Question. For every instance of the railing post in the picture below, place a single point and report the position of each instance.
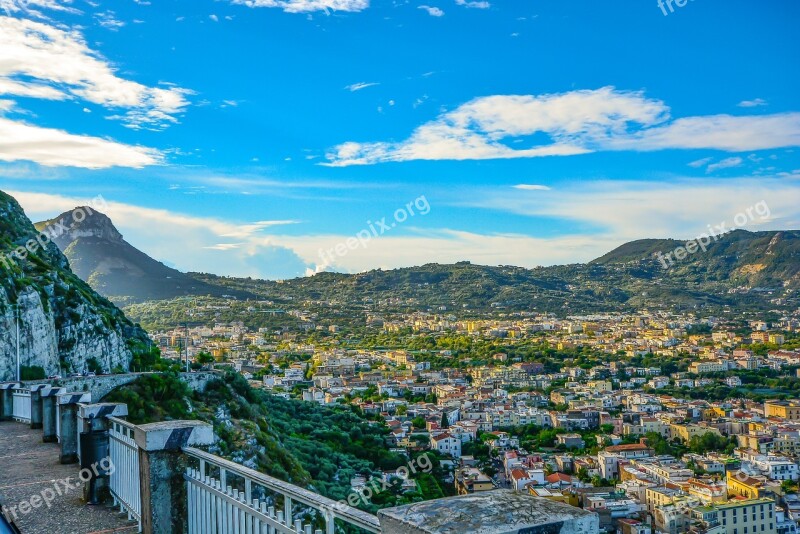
(162, 465)
(68, 405)
(7, 400)
(95, 421)
(49, 411)
(36, 405)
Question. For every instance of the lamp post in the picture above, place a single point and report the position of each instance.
(16, 320)
(186, 325)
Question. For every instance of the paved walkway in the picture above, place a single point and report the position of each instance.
(30, 472)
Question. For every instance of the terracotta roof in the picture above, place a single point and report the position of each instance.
(627, 447)
(518, 474)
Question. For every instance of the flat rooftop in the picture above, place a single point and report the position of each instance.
(490, 512)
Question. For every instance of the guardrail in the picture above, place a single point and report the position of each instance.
(22, 405)
(125, 481)
(226, 497)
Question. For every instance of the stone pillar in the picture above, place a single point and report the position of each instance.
(7, 400)
(68, 404)
(94, 418)
(36, 405)
(49, 413)
(161, 467)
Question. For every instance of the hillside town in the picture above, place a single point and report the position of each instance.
(657, 422)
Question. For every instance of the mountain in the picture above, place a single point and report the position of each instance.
(741, 270)
(64, 325)
(99, 254)
(765, 259)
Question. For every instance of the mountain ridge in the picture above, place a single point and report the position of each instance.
(99, 254)
(739, 269)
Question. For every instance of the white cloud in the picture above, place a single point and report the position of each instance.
(532, 187)
(757, 102)
(475, 129)
(433, 11)
(718, 132)
(727, 163)
(33, 7)
(50, 147)
(474, 4)
(214, 18)
(680, 208)
(30, 90)
(701, 162)
(109, 21)
(224, 246)
(307, 6)
(577, 122)
(361, 85)
(39, 60)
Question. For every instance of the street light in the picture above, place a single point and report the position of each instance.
(16, 319)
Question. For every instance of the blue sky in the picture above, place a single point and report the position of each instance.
(242, 137)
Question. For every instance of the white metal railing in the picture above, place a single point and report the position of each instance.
(217, 507)
(21, 405)
(125, 480)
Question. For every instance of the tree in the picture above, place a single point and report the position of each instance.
(583, 475)
(445, 422)
(204, 358)
(418, 422)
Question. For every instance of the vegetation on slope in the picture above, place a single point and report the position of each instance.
(306, 444)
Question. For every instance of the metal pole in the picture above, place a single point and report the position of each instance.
(187, 346)
(19, 368)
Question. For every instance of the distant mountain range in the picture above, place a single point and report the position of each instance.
(99, 255)
(740, 270)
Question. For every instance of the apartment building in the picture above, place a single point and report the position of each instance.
(739, 516)
(787, 409)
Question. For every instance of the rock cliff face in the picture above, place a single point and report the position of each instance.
(64, 326)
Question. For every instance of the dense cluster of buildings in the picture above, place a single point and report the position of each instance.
(604, 417)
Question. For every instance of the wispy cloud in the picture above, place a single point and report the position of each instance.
(701, 162)
(757, 102)
(727, 163)
(609, 206)
(578, 122)
(474, 4)
(361, 85)
(108, 20)
(33, 7)
(224, 246)
(532, 187)
(308, 6)
(432, 11)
